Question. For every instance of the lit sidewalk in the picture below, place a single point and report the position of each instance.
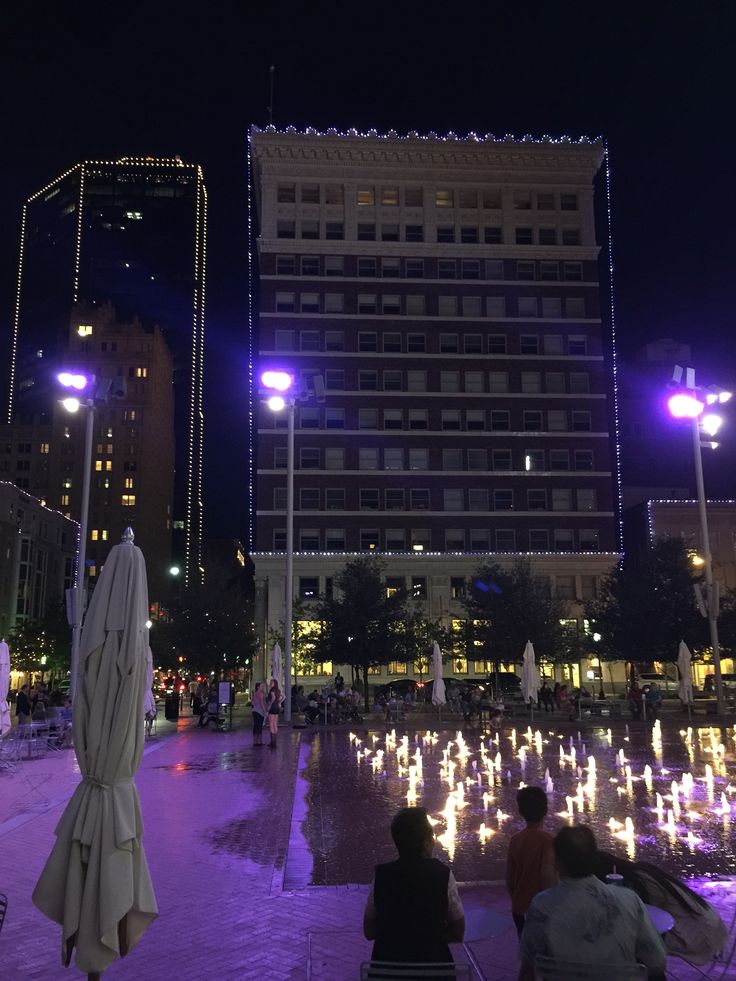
(218, 817)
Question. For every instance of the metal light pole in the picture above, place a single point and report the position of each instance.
(80, 574)
(289, 583)
(711, 603)
(690, 403)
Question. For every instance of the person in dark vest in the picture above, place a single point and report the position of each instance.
(413, 909)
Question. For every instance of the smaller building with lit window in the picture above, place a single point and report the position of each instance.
(37, 545)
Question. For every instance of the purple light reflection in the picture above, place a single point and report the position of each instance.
(280, 381)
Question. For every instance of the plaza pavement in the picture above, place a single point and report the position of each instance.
(218, 819)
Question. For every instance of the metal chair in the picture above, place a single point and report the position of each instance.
(551, 969)
(393, 971)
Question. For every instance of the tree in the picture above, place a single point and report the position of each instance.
(210, 625)
(361, 625)
(507, 608)
(43, 645)
(647, 606)
(420, 634)
(302, 638)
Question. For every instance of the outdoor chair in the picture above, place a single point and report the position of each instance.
(392, 971)
(9, 750)
(3, 908)
(551, 969)
(720, 967)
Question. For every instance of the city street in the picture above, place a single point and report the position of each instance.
(221, 837)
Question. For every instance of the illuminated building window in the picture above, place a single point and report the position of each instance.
(108, 465)
(94, 535)
(98, 465)
(443, 198)
(141, 372)
(128, 500)
(134, 215)
(44, 448)
(65, 500)
(84, 330)
(397, 667)
(366, 197)
(129, 415)
(128, 483)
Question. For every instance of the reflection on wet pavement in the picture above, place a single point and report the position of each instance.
(665, 796)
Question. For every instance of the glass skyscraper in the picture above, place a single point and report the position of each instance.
(131, 232)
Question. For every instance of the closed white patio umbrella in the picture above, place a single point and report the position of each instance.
(684, 668)
(4, 685)
(277, 668)
(529, 677)
(439, 696)
(149, 699)
(96, 882)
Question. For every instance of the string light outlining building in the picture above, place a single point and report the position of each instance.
(131, 232)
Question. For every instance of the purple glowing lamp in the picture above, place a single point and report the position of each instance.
(279, 381)
(685, 406)
(71, 379)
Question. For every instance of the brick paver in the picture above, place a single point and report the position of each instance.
(218, 816)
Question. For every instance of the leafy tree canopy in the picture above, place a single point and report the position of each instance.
(507, 608)
(647, 606)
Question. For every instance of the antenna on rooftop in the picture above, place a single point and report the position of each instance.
(271, 75)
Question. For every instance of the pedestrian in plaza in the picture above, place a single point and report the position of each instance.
(530, 861)
(413, 908)
(275, 698)
(556, 695)
(586, 921)
(653, 699)
(23, 706)
(635, 701)
(259, 713)
(545, 700)
(339, 682)
(192, 692)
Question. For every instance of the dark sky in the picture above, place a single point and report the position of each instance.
(655, 78)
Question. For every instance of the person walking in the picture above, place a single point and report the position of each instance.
(23, 706)
(259, 713)
(275, 699)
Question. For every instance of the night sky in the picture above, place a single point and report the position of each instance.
(655, 78)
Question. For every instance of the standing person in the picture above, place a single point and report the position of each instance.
(192, 692)
(339, 682)
(530, 863)
(23, 706)
(274, 707)
(586, 921)
(413, 908)
(259, 713)
(545, 697)
(635, 701)
(556, 696)
(653, 700)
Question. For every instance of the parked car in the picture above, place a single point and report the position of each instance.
(399, 688)
(668, 686)
(505, 682)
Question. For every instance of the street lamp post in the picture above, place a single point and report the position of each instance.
(79, 382)
(687, 404)
(282, 382)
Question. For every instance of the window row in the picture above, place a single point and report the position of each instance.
(395, 267)
(417, 305)
(371, 231)
(453, 540)
(416, 196)
(418, 459)
(449, 499)
(465, 420)
(448, 342)
(419, 380)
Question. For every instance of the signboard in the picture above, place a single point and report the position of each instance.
(223, 696)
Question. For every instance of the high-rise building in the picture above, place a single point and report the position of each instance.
(445, 293)
(132, 479)
(133, 233)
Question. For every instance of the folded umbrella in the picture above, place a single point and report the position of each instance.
(96, 882)
(4, 685)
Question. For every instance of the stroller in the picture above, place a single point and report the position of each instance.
(210, 715)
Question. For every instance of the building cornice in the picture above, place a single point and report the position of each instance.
(331, 146)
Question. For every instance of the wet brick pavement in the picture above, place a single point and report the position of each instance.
(218, 823)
